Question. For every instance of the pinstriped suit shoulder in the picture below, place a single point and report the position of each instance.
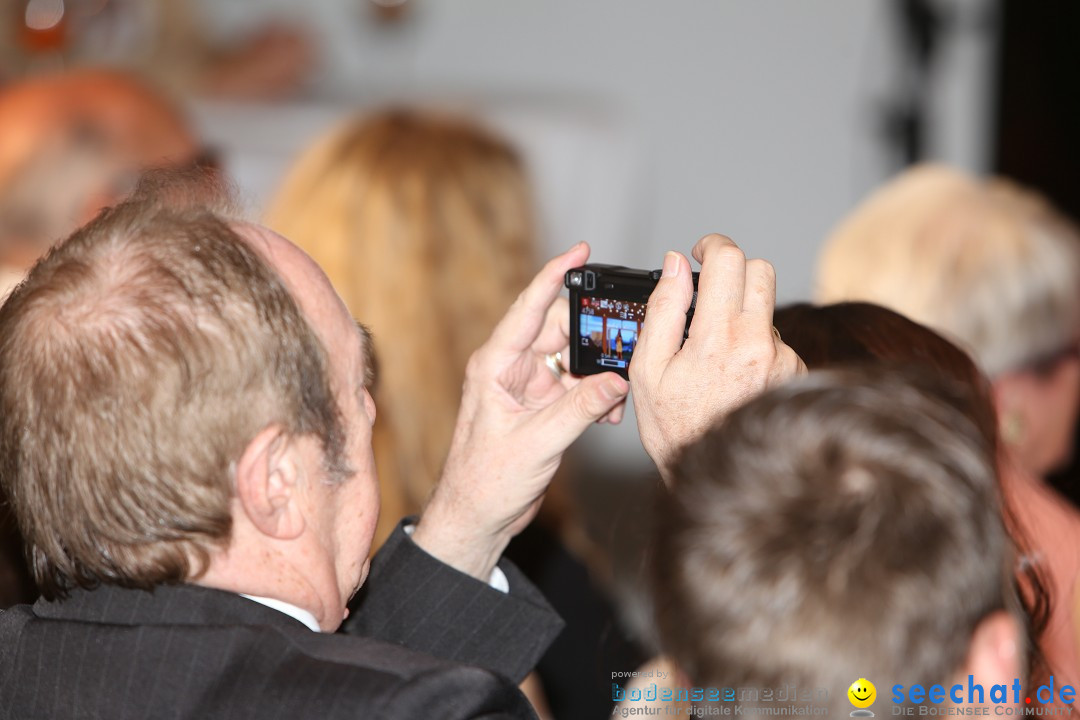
(190, 652)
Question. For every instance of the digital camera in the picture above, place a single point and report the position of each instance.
(607, 307)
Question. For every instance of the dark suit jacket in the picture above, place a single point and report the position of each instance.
(189, 652)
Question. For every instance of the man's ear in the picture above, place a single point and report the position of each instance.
(996, 653)
(266, 484)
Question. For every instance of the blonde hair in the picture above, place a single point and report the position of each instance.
(424, 225)
(989, 264)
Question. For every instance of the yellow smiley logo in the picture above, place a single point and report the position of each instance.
(862, 693)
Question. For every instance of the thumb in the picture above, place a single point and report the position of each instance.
(563, 422)
(662, 330)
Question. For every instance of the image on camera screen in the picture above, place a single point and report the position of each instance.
(609, 331)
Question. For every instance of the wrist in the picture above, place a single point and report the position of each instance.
(457, 539)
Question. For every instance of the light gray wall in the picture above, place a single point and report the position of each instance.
(752, 118)
(757, 118)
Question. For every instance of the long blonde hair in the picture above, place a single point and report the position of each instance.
(425, 227)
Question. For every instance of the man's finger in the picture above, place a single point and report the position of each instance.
(562, 422)
(522, 323)
(759, 300)
(662, 331)
(789, 364)
(721, 286)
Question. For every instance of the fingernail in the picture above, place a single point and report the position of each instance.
(671, 265)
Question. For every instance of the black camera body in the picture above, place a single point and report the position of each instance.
(607, 307)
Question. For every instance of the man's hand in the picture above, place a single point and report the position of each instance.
(732, 352)
(516, 420)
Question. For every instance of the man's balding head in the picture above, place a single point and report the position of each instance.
(137, 360)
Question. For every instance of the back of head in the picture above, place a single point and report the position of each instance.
(990, 265)
(137, 360)
(424, 225)
(855, 334)
(73, 142)
(839, 527)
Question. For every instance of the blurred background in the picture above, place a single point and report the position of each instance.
(642, 125)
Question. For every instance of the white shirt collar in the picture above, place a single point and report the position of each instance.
(289, 609)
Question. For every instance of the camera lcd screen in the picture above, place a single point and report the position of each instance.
(608, 332)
